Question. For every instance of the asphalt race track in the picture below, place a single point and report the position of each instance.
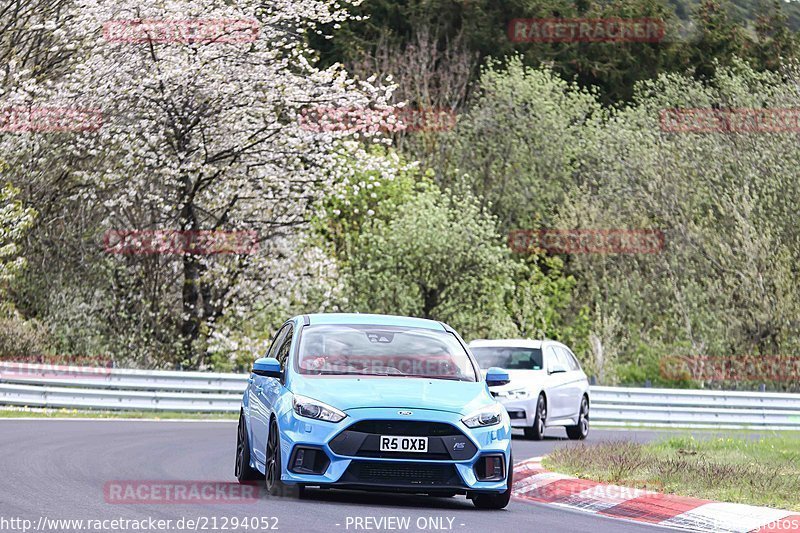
(54, 469)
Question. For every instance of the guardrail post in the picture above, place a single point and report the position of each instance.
(648, 384)
(762, 388)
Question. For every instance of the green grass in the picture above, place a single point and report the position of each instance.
(144, 415)
(761, 470)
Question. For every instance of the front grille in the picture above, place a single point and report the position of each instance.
(362, 439)
(401, 474)
(405, 428)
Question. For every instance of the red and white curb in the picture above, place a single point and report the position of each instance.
(534, 483)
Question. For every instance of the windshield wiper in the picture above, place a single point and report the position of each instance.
(448, 378)
(333, 373)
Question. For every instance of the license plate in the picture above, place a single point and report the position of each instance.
(404, 444)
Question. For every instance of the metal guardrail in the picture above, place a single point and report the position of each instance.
(619, 406)
(75, 398)
(120, 378)
(154, 390)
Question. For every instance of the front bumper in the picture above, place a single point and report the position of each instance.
(521, 412)
(352, 459)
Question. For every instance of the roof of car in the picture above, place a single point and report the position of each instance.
(507, 343)
(375, 320)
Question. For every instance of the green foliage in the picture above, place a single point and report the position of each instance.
(439, 257)
(15, 220)
(364, 196)
(776, 41)
(698, 35)
(419, 228)
(748, 470)
(408, 247)
(718, 40)
(542, 305)
(518, 145)
(20, 338)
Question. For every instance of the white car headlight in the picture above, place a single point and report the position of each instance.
(516, 394)
(310, 408)
(487, 416)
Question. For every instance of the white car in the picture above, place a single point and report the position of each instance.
(547, 386)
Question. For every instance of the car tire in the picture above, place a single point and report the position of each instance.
(581, 430)
(536, 431)
(243, 471)
(497, 501)
(275, 487)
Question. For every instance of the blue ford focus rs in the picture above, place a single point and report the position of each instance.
(373, 402)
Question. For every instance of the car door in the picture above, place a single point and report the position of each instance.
(574, 382)
(272, 388)
(556, 384)
(259, 409)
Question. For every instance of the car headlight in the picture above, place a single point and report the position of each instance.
(310, 408)
(487, 416)
(516, 394)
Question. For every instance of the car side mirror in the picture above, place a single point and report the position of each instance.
(557, 370)
(269, 367)
(496, 377)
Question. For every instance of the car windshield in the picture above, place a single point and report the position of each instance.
(394, 351)
(508, 357)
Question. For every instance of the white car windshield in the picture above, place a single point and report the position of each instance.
(508, 357)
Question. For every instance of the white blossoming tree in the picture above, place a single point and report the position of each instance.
(198, 134)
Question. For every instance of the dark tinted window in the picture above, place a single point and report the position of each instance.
(286, 345)
(277, 341)
(509, 358)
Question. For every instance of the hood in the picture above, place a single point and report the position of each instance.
(344, 393)
(521, 379)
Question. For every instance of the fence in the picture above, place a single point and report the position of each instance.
(150, 390)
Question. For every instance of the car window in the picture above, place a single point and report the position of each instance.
(572, 360)
(551, 361)
(286, 345)
(276, 343)
(564, 358)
